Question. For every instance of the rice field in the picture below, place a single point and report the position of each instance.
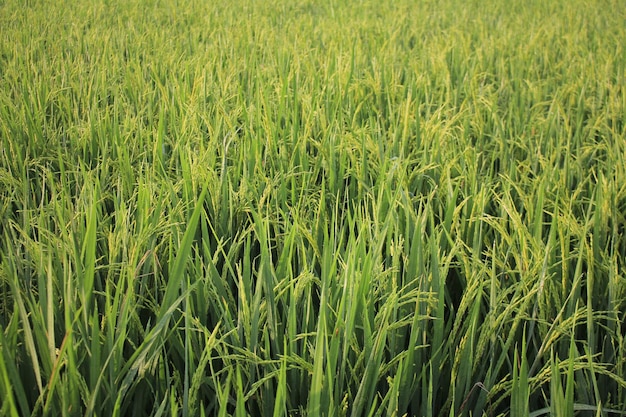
(312, 208)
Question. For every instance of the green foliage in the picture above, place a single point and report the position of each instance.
(325, 208)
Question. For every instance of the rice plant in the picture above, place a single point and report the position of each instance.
(301, 208)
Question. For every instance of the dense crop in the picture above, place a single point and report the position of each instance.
(312, 208)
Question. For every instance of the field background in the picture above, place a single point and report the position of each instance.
(312, 208)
